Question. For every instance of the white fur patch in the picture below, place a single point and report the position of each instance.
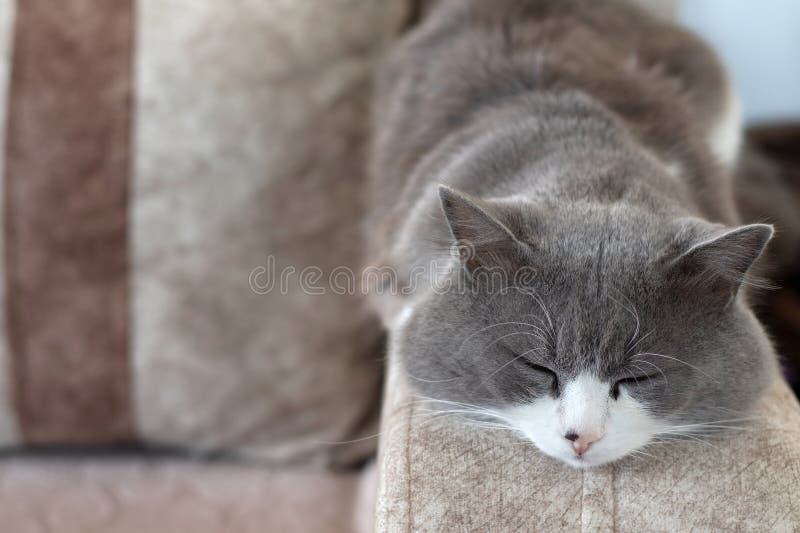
(586, 406)
(726, 136)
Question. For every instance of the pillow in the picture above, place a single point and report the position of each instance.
(158, 162)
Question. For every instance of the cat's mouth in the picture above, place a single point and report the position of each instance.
(578, 461)
(585, 460)
(592, 458)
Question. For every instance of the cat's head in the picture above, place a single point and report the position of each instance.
(592, 330)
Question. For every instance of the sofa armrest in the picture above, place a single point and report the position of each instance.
(438, 474)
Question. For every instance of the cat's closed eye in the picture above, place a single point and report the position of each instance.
(544, 371)
(633, 381)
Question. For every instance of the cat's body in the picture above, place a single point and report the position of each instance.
(588, 145)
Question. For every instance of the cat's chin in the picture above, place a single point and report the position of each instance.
(581, 463)
(588, 461)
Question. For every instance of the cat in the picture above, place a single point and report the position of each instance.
(589, 147)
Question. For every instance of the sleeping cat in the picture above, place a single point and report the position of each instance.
(578, 156)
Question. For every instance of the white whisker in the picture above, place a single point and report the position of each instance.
(672, 358)
(520, 356)
(423, 380)
(641, 339)
(658, 368)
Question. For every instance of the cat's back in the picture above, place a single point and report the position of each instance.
(469, 54)
(470, 58)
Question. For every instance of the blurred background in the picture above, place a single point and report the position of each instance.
(760, 44)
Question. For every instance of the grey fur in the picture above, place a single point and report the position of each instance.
(558, 126)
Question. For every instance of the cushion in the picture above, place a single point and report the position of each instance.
(162, 165)
(135, 495)
(438, 474)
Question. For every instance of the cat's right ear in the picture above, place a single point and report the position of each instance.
(718, 259)
(483, 241)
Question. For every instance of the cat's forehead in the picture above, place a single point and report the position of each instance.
(591, 332)
(584, 229)
(593, 263)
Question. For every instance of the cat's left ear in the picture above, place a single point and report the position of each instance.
(719, 260)
(484, 241)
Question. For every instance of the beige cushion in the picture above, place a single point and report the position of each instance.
(127, 495)
(251, 126)
(438, 475)
(157, 154)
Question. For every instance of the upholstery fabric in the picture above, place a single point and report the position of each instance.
(129, 495)
(437, 474)
(65, 227)
(251, 121)
(157, 156)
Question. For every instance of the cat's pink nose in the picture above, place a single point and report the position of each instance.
(582, 443)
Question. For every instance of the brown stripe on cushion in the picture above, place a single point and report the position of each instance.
(66, 222)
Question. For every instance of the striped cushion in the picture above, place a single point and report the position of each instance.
(157, 153)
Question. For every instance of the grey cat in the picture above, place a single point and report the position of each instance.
(579, 154)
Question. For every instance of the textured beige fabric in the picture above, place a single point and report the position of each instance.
(250, 126)
(249, 122)
(9, 433)
(147, 496)
(438, 475)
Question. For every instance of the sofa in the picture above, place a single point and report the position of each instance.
(163, 165)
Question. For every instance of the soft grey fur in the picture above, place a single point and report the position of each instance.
(572, 136)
